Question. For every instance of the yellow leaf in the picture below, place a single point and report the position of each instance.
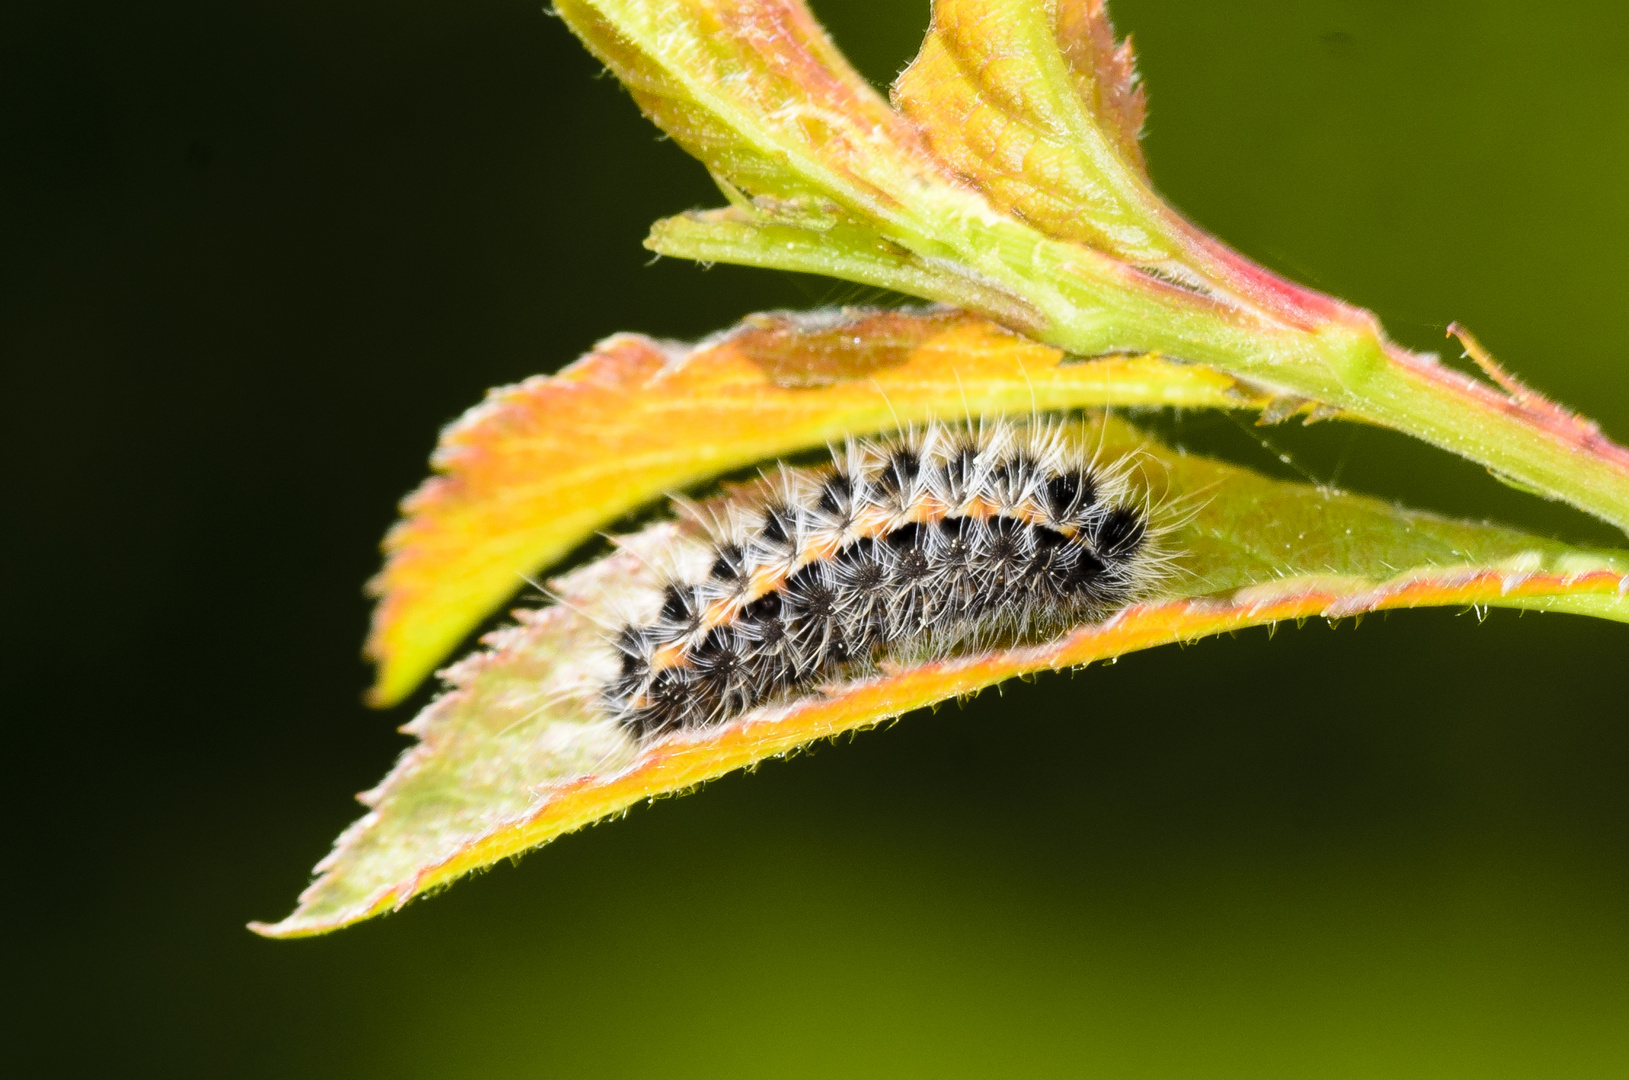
(534, 470)
(1038, 108)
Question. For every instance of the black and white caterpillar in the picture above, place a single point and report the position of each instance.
(942, 539)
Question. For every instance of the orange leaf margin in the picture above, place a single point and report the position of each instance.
(680, 764)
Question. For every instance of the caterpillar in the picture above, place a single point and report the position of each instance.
(943, 538)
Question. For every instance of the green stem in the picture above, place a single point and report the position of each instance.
(1347, 363)
(1094, 306)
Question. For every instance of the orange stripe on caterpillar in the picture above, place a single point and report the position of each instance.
(767, 580)
(940, 538)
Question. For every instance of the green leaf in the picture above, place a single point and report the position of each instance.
(758, 93)
(515, 754)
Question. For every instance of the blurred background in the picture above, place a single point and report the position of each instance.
(254, 254)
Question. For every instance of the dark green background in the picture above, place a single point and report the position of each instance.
(253, 254)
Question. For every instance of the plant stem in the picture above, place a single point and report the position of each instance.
(1345, 361)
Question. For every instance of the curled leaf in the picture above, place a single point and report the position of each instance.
(530, 473)
(514, 755)
(799, 142)
(1038, 107)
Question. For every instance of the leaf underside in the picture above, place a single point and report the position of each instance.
(502, 766)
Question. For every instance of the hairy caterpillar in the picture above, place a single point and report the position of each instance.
(941, 539)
